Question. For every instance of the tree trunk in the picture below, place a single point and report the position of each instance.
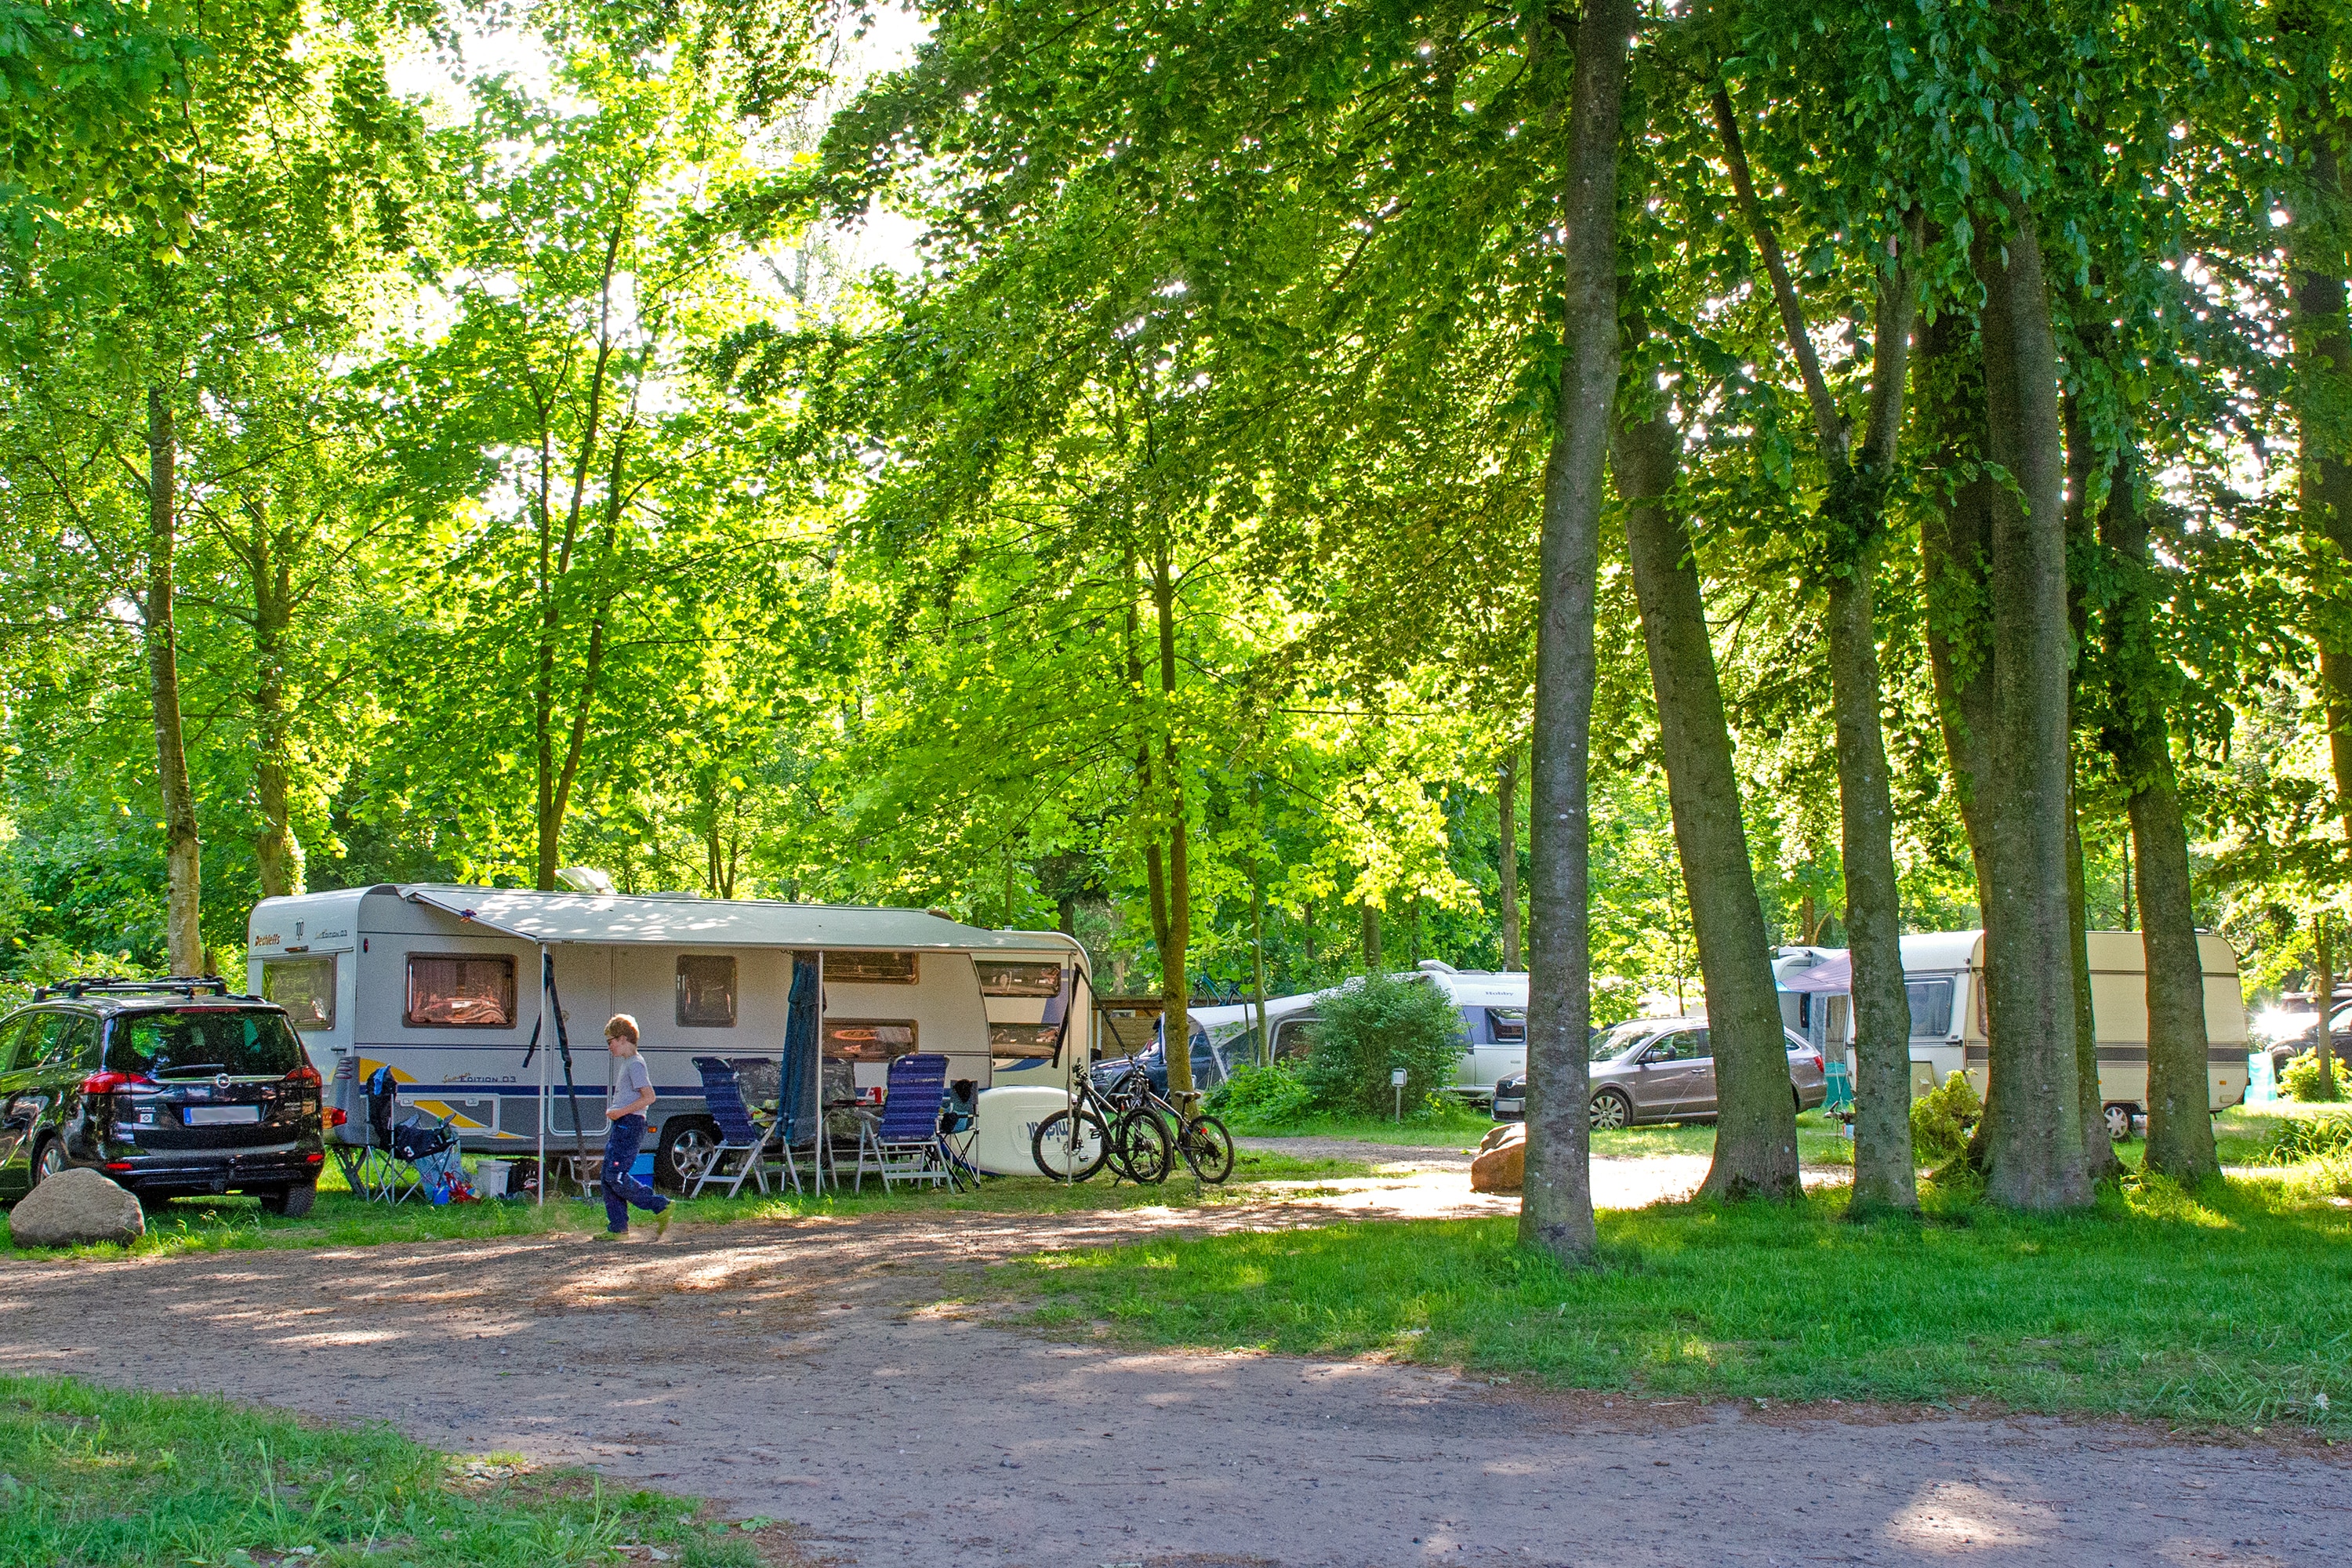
(2033, 1130)
(1555, 1208)
(1263, 1047)
(2137, 736)
(183, 855)
(1170, 879)
(1371, 936)
(1853, 514)
(2322, 1037)
(1755, 1128)
(276, 851)
(2323, 342)
(2099, 1157)
(1507, 859)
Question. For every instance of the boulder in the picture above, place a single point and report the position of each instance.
(1501, 1163)
(73, 1207)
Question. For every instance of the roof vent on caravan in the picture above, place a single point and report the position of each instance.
(587, 880)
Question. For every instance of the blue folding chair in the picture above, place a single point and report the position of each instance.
(902, 1145)
(742, 1137)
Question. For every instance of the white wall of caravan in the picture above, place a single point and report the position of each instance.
(944, 1004)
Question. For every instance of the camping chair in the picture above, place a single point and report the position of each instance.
(959, 1133)
(394, 1163)
(902, 1145)
(741, 1136)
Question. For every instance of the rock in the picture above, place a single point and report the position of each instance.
(1503, 1133)
(1501, 1164)
(76, 1206)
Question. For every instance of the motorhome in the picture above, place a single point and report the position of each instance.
(1943, 976)
(457, 990)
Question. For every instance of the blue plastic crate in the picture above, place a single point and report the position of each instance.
(644, 1169)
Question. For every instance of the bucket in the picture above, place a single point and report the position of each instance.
(490, 1179)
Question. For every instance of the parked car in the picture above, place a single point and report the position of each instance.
(172, 1088)
(1662, 1069)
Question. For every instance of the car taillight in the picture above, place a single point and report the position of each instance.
(110, 1081)
(117, 1165)
(306, 1075)
(1818, 1066)
(335, 1117)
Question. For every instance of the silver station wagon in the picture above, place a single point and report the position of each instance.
(1663, 1069)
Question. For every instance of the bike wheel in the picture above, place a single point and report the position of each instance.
(1207, 1148)
(1141, 1148)
(1070, 1146)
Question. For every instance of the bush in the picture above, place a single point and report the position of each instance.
(1255, 1094)
(1368, 1031)
(1941, 1119)
(2311, 1138)
(2304, 1080)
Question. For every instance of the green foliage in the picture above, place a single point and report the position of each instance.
(1760, 1300)
(1263, 1096)
(2310, 1137)
(1942, 1118)
(2309, 1079)
(1369, 1029)
(105, 1478)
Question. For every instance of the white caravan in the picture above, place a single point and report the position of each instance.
(1494, 1009)
(1942, 973)
(443, 986)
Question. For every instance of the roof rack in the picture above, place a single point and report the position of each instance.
(122, 985)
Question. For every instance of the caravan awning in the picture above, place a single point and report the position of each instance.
(1831, 976)
(540, 917)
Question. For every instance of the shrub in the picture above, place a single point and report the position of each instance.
(2311, 1138)
(1941, 1119)
(1367, 1031)
(1262, 1095)
(2304, 1080)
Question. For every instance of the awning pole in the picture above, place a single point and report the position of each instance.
(543, 1078)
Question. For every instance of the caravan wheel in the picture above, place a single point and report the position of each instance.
(2119, 1120)
(688, 1144)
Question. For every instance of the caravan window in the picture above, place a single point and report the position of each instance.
(705, 991)
(1010, 1043)
(1931, 1007)
(460, 991)
(869, 968)
(868, 1039)
(999, 977)
(1509, 1025)
(305, 987)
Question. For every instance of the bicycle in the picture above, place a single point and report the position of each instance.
(1073, 1144)
(1202, 1140)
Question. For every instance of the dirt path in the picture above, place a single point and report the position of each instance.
(818, 1371)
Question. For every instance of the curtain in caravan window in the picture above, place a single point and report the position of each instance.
(1931, 1007)
(705, 991)
(455, 991)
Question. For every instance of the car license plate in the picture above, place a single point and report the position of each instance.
(213, 1115)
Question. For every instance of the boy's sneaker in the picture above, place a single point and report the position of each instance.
(661, 1224)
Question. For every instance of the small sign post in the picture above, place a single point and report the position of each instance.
(1396, 1081)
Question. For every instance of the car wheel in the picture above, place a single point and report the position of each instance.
(688, 1145)
(2119, 1121)
(292, 1202)
(1611, 1111)
(47, 1161)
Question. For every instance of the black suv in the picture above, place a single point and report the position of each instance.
(173, 1087)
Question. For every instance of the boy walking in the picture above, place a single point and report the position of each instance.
(632, 1092)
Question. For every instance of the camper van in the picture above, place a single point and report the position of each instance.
(457, 990)
(1494, 1009)
(1942, 973)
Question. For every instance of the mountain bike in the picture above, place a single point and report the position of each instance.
(1072, 1145)
(1202, 1140)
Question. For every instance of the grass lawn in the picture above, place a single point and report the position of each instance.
(2231, 1308)
(1454, 1126)
(339, 1219)
(89, 1476)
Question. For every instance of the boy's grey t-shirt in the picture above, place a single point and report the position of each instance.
(630, 1079)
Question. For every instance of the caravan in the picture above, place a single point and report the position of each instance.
(449, 988)
(1942, 974)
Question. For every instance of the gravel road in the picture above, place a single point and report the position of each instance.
(825, 1373)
